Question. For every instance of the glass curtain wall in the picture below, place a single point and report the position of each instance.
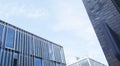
(21, 48)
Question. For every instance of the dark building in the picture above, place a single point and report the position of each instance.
(21, 48)
(105, 18)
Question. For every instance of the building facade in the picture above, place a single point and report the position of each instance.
(87, 62)
(21, 48)
(105, 18)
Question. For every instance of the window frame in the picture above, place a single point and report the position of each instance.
(51, 51)
(31, 51)
(13, 38)
(3, 34)
(39, 60)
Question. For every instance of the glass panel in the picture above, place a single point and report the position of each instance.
(10, 38)
(51, 55)
(94, 63)
(57, 53)
(10, 62)
(31, 45)
(3, 58)
(20, 42)
(1, 31)
(84, 63)
(15, 60)
(26, 43)
(16, 55)
(0, 55)
(23, 42)
(16, 44)
(62, 55)
(57, 64)
(37, 62)
(6, 58)
(25, 47)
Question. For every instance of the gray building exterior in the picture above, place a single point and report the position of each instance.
(105, 18)
(87, 62)
(21, 48)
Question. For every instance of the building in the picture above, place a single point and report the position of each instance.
(21, 48)
(87, 62)
(105, 18)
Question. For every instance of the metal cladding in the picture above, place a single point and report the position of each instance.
(21, 48)
(105, 18)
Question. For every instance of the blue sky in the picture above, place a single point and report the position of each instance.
(64, 22)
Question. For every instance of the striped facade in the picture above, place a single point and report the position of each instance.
(21, 48)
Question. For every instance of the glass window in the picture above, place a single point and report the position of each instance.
(15, 60)
(17, 41)
(51, 56)
(7, 58)
(1, 32)
(20, 42)
(62, 55)
(16, 55)
(3, 58)
(10, 58)
(10, 38)
(37, 62)
(31, 45)
(57, 64)
(84, 63)
(0, 56)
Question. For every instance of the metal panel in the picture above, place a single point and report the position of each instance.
(22, 48)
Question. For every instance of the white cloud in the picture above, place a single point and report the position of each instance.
(13, 9)
(72, 18)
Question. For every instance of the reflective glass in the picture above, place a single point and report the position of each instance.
(51, 56)
(15, 60)
(0, 55)
(16, 55)
(37, 62)
(62, 56)
(1, 31)
(17, 41)
(10, 62)
(6, 58)
(3, 58)
(84, 63)
(31, 44)
(10, 38)
(57, 64)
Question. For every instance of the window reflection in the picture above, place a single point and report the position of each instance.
(15, 59)
(31, 44)
(1, 32)
(62, 55)
(57, 64)
(51, 56)
(0, 56)
(37, 62)
(84, 63)
(10, 38)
